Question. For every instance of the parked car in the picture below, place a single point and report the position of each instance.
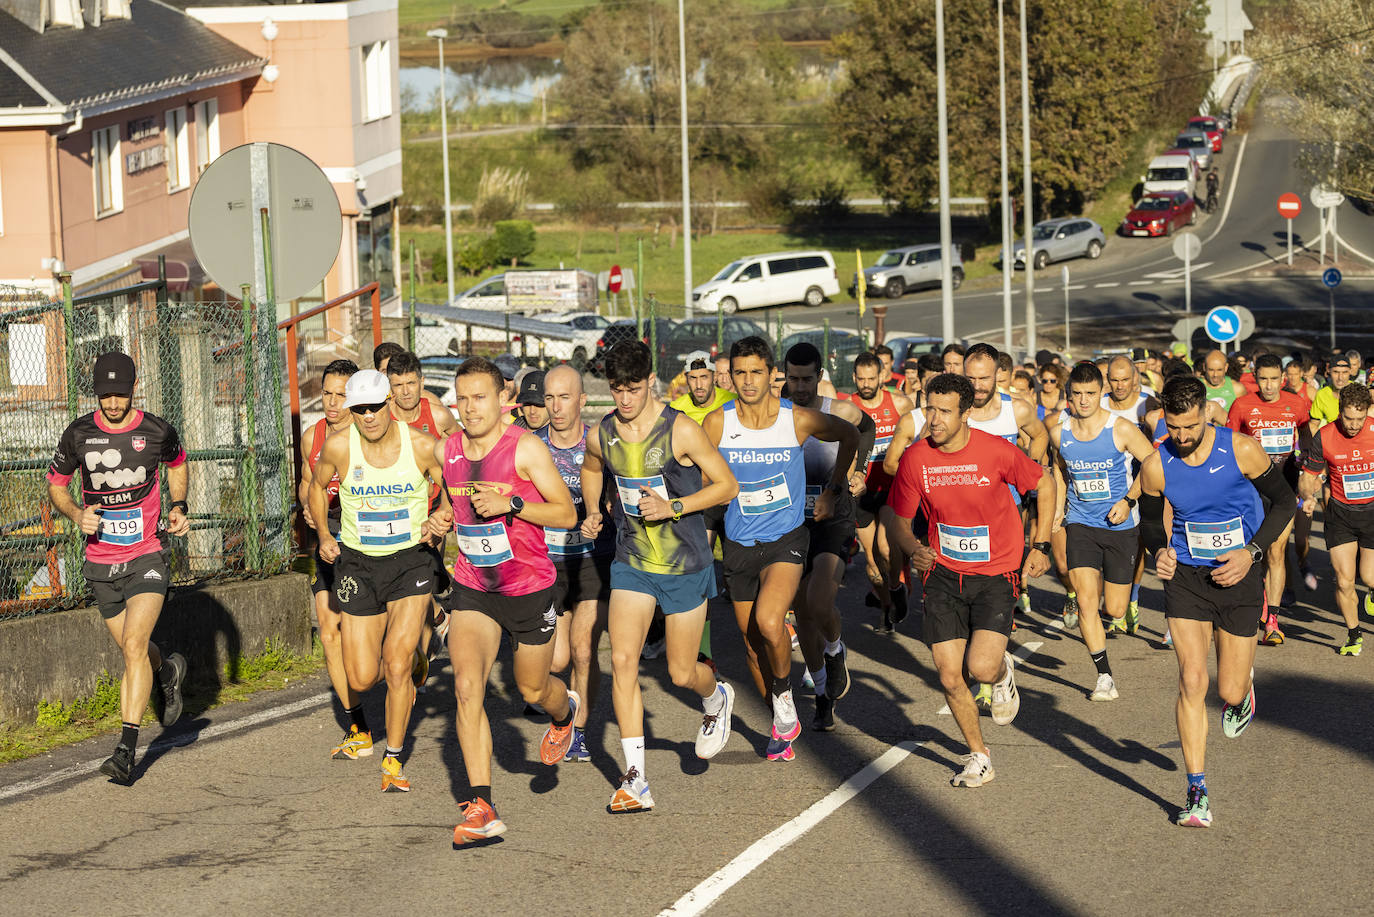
(775, 279)
(624, 330)
(910, 268)
(489, 294)
(1210, 126)
(1198, 143)
(910, 346)
(700, 334)
(1171, 172)
(1160, 214)
(1061, 239)
(587, 330)
(844, 347)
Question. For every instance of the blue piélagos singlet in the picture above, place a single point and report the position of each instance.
(771, 471)
(1099, 476)
(1216, 508)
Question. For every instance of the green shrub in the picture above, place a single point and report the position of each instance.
(512, 240)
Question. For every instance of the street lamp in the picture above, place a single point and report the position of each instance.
(942, 129)
(1026, 187)
(687, 307)
(1006, 194)
(440, 35)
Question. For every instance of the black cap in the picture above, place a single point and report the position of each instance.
(1043, 357)
(1140, 354)
(114, 374)
(532, 389)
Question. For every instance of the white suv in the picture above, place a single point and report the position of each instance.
(776, 279)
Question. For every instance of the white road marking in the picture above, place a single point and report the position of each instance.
(1231, 191)
(1352, 249)
(714, 886)
(1021, 653)
(210, 732)
(1103, 286)
(1141, 283)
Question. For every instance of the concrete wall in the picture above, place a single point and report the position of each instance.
(59, 656)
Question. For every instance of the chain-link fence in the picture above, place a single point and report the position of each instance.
(204, 367)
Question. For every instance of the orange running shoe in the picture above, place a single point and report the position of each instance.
(554, 746)
(479, 823)
(393, 781)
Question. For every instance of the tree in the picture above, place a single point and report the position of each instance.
(1319, 54)
(513, 240)
(620, 89)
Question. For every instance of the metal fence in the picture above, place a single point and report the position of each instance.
(208, 368)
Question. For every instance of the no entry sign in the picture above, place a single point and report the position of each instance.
(1290, 205)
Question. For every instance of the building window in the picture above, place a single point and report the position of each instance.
(207, 133)
(375, 261)
(376, 88)
(178, 151)
(106, 167)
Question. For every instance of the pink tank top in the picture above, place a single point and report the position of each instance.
(504, 555)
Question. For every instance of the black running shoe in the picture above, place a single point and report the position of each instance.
(837, 674)
(825, 714)
(119, 766)
(173, 673)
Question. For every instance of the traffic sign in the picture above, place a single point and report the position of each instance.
(1187, 246)
(1322, 197)
(1331, 277)
(1290, 205)
(614, 281)
(1223, 324)
(1183, 328)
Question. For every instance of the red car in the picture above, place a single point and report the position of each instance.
(1160, 214)
(1211, 127)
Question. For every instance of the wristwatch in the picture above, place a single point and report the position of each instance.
(676, 507)
(516, 505)
(1256, 552)
(1043, 547)
(1129, 502)
(182, 505)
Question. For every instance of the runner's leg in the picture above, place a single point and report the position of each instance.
(1191, 642)
(949, 663)
(402, 621)
(1343, 560)
(131, 629)
(628, 626)
(584, 637)
(473, 642)
(683, 634)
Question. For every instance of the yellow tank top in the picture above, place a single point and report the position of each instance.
(382, 508)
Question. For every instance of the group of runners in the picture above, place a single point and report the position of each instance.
(959, 478)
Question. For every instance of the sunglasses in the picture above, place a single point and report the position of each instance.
(361, 409)
(1049, 380)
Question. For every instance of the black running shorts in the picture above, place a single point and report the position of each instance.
(1346, 523)
(959, 603)
(867, 506)
(364, 584)
(112, 585)
(744, 565)
(529, 619)
(1111, 552)
(579, 579)
(1193, 596)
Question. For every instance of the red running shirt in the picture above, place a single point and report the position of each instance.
(885, 419)
(975, 526)
(1347, 460)
(1273, 424)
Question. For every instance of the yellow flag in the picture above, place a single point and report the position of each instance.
(860, 285)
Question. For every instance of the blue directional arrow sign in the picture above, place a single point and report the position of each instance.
(1223, 324)
(1331, 277)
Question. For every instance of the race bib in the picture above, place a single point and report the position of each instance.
(880, 449)
(1210, 540)
(484, 545)
(812, 492)
(383, 527)
(567, 542)
(122, 527)
(1359, 486)
(971, 544)
(766, 496)
(1277, 440)
(1092, 486)
(629, 491)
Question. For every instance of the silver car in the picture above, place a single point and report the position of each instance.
(1198, 144)
(1061, 239)
(911, 268)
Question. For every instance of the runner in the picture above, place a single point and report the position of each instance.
(118, 449)
(1342, 451)
(830, 540)
(383, 577)
(582, 586)
(912, 425)
(381, 361)
(973, 568)
(1127, 399)
(655, 458)
(530, 401)
(766, 540)
(886, 411)
(1213, 586)
(704, 394)
(505, 489)
(1326, 407)
(723, 380)
(1278, 421)
(892, 380)
(1094, 449)
(1049, 401)
(1221, 388)
(357, 740)
(953, 358)
(911, 380)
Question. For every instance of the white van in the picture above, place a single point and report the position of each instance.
(769, 280)
(1171, 172)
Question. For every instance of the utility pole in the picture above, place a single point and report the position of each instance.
(946, 261)
(1027, 205)
(1007, 264)
(687, 307)
(441, 34)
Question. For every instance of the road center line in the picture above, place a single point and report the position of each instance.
(1020, 654)
(714, 886)
(1103, 286)
(209, 732)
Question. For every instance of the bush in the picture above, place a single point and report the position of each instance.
(474, 256)
(512, 240)
(501, 195)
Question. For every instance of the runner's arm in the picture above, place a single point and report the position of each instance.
(333, 455)
(429, 458)
(696, 444)
(534, 463)
(592, 476)
(1033, 429)
(903, 436)
(845, 410)
(1313, 467)
(829, 428)
(1151, 478)
(1256, 465)
(443, 417)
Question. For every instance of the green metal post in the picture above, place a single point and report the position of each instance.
(69, 322)
(412, 294)
(653, 333)
(639, 286)
(248, 464)
(825, 349)
(74, 549)
(507, 332)
(777, 341)
(276, 443)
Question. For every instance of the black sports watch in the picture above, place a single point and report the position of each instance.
(182, 505)
(1129, 502)
(676, 507)
(516, 505)
(1043, 547)
(1256, 552)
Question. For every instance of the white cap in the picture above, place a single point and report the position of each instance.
(695, 355)
(366, 386)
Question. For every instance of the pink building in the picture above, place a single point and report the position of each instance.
(111, 109)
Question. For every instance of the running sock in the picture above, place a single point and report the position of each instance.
(129, 736)
(634, 754)
(1352, 634)
(833, 647)
(713, 703)
(780, 686)
(483, 793)
(358, 717)
(1135, 592)
(393, 752)
(567, 719)
(1197, 780)
(1100, 660)
(819, 680)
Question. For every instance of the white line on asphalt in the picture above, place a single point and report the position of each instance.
(1141, 283)
(1231, 191)
(710, 890)
(210, 732)
(1103, 286)
(1021, 653)
(1352, 249)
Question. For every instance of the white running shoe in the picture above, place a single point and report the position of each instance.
(976, 772)
(786, 723)
(715, 728)
(1006, 701)
(1105, 689)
